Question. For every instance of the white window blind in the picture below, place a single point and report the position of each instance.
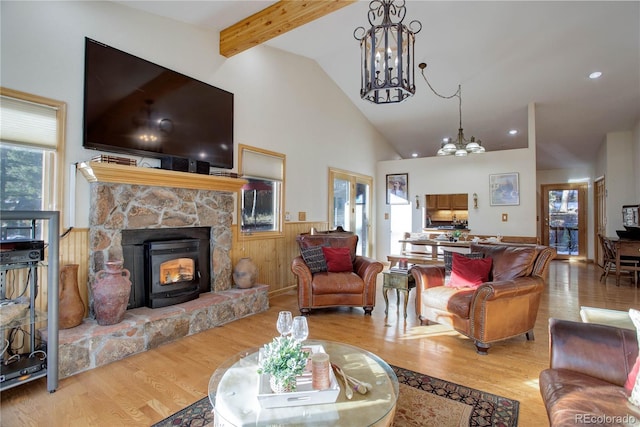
(262, 165)
(25, 122)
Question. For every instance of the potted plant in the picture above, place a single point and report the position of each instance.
(283, 359)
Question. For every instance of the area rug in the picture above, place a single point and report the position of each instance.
(423, 401)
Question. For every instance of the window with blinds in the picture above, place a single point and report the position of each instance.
(31, 148)
(261, 198)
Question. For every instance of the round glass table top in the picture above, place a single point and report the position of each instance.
(233, 392)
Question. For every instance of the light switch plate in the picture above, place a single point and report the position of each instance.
(505, 217)
(302, 216)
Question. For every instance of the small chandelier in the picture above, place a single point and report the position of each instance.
(462, 146)
(387, 58)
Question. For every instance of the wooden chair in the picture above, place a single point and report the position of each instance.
(609, 260)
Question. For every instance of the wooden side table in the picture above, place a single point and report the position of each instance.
(401, 281)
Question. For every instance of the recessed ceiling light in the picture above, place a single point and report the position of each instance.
(513, 132)
(595, 75)
(414, 155)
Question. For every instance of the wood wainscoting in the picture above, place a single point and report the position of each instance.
(272, 255)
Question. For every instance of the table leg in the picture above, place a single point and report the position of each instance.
(397, 297)
(386, 300)
(406, 302)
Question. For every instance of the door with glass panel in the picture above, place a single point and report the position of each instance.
(565, 225)
(350, 206)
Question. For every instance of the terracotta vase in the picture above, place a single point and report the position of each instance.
(245, 273)
(70, 306)
(111, 291)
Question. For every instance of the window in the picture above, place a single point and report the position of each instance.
(31, 155)
(261, 198)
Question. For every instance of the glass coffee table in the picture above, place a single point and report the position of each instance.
(233, 390)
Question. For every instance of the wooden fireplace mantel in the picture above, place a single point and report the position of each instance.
(121, 174)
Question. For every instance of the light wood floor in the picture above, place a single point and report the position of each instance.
(145, 388)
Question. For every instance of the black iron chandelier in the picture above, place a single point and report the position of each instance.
(387, 57)
(461, 146)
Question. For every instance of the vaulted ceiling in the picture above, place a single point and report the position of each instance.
(505, 55)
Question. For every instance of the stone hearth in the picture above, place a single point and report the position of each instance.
(90, 345)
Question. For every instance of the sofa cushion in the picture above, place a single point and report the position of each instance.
(452, 300)
(631, 380)
(469, 273)
(509, 262)
(338, 259)
(337, 283)
(314, 258)
(572, 398)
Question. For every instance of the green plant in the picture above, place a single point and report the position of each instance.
(456, 233)
(283, 359)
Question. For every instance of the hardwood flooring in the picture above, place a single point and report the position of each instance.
(145, 388)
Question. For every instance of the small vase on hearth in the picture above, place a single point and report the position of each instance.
(245, 273)
(111, 290)
(70, 305)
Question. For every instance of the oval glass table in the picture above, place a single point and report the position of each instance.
(233, 391)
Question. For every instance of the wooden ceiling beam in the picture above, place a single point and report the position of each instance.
(274, 20)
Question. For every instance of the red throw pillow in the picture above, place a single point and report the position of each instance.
(338, 259)
(468, 272)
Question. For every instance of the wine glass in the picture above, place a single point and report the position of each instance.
(284, 323)
(465, 235)
(300, 328)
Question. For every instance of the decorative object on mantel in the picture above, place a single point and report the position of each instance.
(387, 55)
(283, 359)
(70, 306)
(111, 291)
(245, 273)
(461, 147)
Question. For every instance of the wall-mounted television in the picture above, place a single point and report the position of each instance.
(133, 106)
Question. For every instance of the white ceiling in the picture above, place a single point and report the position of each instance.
(504, 54)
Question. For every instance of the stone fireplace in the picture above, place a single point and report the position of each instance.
(131, 198)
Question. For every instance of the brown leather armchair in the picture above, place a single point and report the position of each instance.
(334, 289)
(504, 307)
(589, 365)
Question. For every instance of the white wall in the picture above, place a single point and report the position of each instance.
(620, 187)
(441, 175)
(283, 102)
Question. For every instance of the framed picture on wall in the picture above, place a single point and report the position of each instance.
(398, 189)
(504, 189)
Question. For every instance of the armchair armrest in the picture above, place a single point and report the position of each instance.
(367, 268)
(427, 276)
(600, 351)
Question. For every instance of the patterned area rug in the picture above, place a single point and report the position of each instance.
(423, 401)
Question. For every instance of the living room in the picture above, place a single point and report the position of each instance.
(276, 109)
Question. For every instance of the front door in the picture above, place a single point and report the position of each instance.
(565, 225)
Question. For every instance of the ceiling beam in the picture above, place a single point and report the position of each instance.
(276, 19)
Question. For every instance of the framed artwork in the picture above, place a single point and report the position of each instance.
(504, 189)
(398, 189)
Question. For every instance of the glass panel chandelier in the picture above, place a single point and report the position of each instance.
(462, 146)
(387, 70)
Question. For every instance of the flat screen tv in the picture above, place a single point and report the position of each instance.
(136, 107)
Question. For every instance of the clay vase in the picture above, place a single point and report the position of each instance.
(70, 306)
(111, 291)
(245, 273)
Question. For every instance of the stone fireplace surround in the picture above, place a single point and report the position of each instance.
(117, 203)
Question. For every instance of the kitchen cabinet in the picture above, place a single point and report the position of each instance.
(443, 202)
(459, 202)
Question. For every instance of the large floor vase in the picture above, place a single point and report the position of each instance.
(111, 291)
(71, 307)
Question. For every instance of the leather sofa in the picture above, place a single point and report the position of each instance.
(356, 288)
(504, 307)
(588, 367)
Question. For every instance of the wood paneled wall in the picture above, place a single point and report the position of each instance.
(272, 256)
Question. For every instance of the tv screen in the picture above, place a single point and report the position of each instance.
(136, 107)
